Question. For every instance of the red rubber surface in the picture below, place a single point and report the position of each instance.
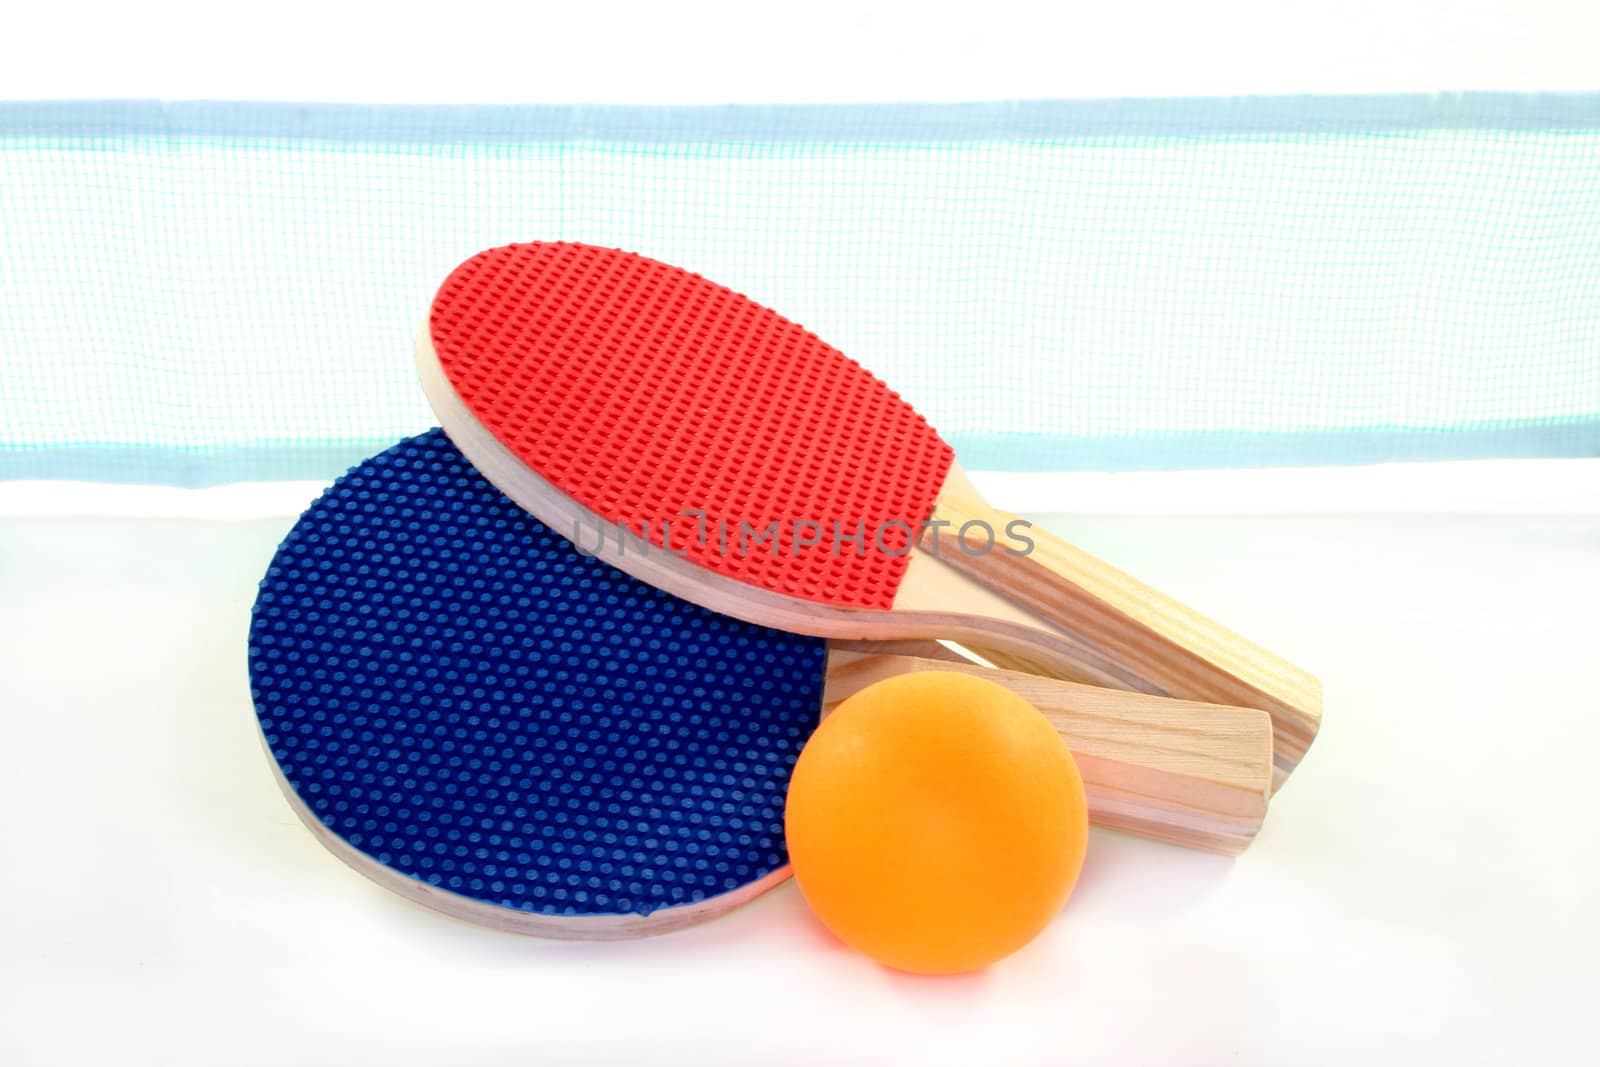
(642, 390)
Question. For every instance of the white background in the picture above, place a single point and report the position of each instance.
(1422, 892)
(726, 51)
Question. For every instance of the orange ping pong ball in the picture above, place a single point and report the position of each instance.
(936, 822)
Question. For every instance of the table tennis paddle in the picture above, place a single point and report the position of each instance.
(780, 482)
(475, 715)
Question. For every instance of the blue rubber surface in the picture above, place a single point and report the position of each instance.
(455, 691)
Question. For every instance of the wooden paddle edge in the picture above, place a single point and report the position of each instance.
(721, 593)
(618, 927)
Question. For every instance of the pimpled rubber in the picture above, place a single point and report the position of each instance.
(643, 391)
(459, 694)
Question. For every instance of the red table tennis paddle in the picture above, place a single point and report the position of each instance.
(766, 475)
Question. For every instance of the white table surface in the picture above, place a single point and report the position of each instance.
(1423, 890)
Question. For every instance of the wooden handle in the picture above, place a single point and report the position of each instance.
(1178, 771)
(1116, 630)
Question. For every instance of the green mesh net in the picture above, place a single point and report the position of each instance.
(198, 293)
